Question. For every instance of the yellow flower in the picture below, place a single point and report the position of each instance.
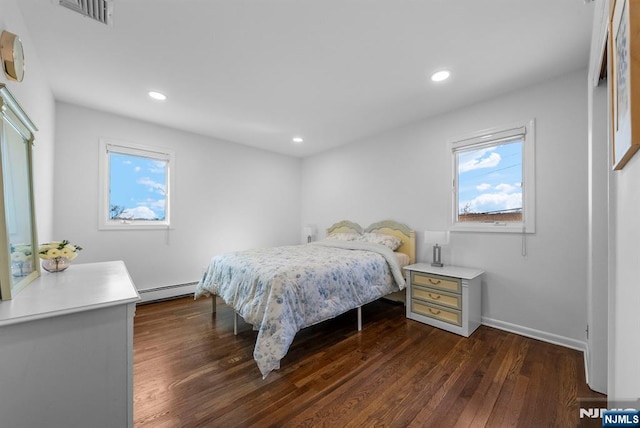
(53, 253)
(23, 248)
(17, 256)
(44, 247)
(68, 252)
(52, 250)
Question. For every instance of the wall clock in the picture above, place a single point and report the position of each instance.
(12, 56)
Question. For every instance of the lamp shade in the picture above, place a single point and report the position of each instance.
(440, 237)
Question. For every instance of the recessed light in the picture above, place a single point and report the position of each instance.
(439, 76)
(297, 140)
(157, 95)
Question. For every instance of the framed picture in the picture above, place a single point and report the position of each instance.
(19, 260)
(624, 41)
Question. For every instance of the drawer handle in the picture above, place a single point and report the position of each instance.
(434, 312)
(435, 296)
(431, 281)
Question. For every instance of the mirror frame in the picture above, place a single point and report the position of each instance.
(11, 110)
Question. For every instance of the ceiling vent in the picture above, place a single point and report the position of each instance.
(98, 10)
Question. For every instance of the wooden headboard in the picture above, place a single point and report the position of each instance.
(402, 231)
(345, 226)
(386, 227)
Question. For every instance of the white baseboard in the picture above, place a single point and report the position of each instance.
(586, 365)
(545, 337)
(536, 334)
(167, 292)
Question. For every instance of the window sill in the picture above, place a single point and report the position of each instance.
(497, 227)
(135, 226)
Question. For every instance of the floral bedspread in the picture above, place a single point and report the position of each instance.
(284, 289)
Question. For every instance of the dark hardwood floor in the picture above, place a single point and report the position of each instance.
(191, 371)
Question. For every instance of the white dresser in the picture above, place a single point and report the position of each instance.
(66, 349)
(446, 297)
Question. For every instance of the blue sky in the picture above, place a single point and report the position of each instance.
(138, 184)
(490, 179)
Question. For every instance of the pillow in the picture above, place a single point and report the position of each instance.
(389, 241)
(344, 236)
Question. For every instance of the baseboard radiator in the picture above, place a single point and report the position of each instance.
(167, 292)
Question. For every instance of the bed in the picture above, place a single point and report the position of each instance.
(282, 290)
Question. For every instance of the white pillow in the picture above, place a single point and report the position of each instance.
(344, 236)
(389, 241)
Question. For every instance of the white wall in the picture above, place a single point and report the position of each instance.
(35, 97)
(227, 197)
(405, 175)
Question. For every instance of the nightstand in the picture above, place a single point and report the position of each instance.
(446, 297)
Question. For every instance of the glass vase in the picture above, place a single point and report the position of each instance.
(21, 268)
(56, 264)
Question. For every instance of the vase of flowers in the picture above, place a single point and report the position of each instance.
(57, 256)
(21, 260)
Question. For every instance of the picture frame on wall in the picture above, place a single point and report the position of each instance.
(623, 41)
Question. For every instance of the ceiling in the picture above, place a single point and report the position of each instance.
(259, 72)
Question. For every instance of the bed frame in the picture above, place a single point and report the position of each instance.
(386, 227)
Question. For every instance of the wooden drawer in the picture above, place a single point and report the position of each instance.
(438, 297)
(441, 313)
(445, 283)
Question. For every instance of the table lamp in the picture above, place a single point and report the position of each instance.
(437, 238)
(309, 231)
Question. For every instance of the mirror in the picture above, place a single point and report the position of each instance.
(19, 256)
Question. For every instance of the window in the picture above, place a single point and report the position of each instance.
(494, 180)
(135, 190)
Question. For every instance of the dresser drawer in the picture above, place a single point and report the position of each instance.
(438, 297)
(450, 316)
(436, 281)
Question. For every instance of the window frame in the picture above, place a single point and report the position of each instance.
(479, 139)
(118, 146)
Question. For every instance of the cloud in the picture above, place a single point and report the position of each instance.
(137, 169)
(158, 167)
(495, 202)
(504, 197)
(505, 188)
(144, 213)
(477, 160)
(482, 187)
(158, 204)
(154, 186)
